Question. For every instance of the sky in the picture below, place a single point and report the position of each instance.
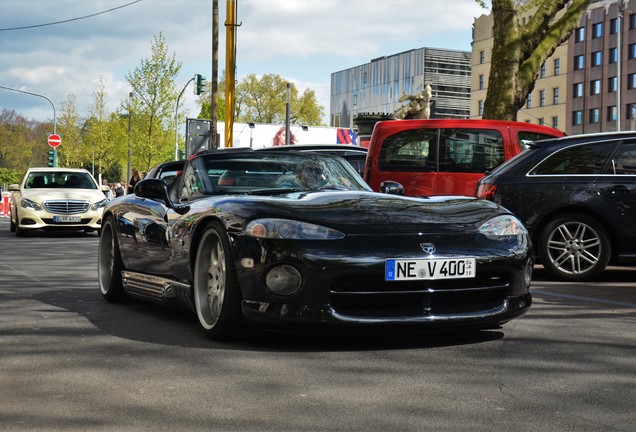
(303, 41)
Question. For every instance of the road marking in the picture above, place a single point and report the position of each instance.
(582, 298)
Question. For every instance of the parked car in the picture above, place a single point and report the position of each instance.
(356, 156)
(444, 156)
(56, 199)
(244, 241)
(577, 197)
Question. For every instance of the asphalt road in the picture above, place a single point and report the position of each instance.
(69, 361)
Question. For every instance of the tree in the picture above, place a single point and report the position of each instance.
(70, 152)
(103, 150)
(520, 50)
(152, 107)
(264, 99)
(206, 104)
(22, 142)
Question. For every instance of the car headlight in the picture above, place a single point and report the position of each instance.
(506, 225)
(99, 204)
(290, 229)
(30, 205)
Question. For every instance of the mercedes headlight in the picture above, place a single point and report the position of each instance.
(30, 205)
(100, 204)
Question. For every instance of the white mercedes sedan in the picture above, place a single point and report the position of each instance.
(56, 199)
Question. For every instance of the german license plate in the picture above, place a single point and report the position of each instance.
(429, 269)
(75, 219)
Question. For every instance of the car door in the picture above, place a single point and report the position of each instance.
(146, 240)
(617, 188)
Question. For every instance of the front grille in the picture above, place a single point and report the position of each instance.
(356, 296)
(66, 207)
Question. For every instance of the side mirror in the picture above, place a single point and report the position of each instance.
(14, 187)
(156, 189)
(391, 188)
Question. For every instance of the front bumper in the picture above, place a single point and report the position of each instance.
(324, 316)
(40, 219)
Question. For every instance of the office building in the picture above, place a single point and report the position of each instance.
(377, 86)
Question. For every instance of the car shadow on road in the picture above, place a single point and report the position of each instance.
(611, 274)
(153, 323)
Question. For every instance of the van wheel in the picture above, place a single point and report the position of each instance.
(574, 247)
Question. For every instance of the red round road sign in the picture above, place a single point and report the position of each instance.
(54, 140)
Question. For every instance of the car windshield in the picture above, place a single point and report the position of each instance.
(269, 172)
(59, 179)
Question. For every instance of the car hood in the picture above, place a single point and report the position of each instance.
(41, 195)
(360, 212)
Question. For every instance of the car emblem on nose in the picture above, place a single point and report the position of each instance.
(429, 248)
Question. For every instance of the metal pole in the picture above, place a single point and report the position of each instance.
(287, 115)
(176, 122)
(230, 70)
(129, 139)
(214, 94)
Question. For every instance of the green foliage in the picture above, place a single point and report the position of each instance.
(264, 99)
(152, 106)
(23, 142)
(71, 152)
(9, 176)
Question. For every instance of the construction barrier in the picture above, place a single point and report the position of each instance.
(5, 205)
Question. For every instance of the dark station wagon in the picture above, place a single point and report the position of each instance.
(577, 197)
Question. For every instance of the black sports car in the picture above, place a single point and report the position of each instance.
(299, 240)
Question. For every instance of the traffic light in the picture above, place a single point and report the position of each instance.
(52, 158)
(198, 84)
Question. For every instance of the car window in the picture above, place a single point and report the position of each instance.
(253, 173)
(525, 138)
(470, 150)
(624, 161)
(59, 179)
(579, 159)
(409, 150)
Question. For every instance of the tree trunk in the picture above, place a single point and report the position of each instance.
(519, 51)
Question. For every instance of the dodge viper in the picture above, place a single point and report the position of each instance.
(298, 241)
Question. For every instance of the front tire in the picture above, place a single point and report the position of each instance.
(574, 247)
(109, 264)
(217, 296)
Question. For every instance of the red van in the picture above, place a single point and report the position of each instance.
(444, 156)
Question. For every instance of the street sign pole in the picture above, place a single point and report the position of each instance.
(54, 141)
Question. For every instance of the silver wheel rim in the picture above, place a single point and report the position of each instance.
(106, 261)
(210, 280)
(574, 248)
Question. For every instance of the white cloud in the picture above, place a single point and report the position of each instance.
(303, 41)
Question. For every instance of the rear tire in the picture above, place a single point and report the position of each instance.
(109, 264)
(574, 247)
(217, 296)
